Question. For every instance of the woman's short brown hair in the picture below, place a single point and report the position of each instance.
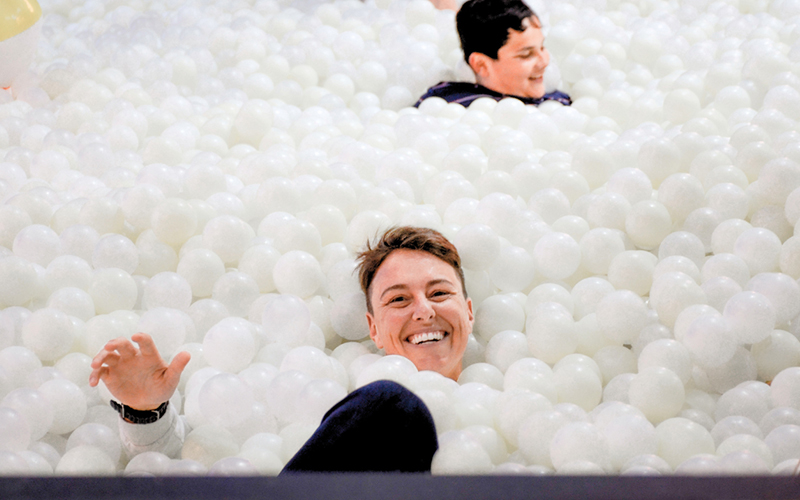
(408, 238)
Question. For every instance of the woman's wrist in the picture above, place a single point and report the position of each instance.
(136, 416)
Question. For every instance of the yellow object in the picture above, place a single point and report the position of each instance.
(17, 16)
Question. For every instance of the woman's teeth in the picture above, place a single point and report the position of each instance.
(426, 337)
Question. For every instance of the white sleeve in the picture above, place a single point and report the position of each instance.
(164, 436)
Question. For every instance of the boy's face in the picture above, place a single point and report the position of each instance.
(520, 64)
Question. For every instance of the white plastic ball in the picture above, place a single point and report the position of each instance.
(298, 273)
(229, 345)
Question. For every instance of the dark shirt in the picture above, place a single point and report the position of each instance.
(466, 93)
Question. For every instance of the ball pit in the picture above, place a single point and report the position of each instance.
(205, 171)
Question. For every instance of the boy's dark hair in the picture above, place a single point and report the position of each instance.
(483, 24)
(408, 238)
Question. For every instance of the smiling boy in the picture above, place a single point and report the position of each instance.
(504, 45)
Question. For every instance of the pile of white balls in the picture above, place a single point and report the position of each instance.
(204, 171)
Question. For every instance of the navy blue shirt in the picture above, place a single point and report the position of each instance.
(466, 93)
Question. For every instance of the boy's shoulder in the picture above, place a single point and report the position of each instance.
(465, 93)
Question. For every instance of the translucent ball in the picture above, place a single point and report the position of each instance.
(679, 439)
(709, 339)
(208, 444)
(149, 462)
(18, 363)
(15, 432)
(783, 442)
(740, 368)
(742, 401)
(632, 270)
(536, 434)
(579, 384)
(506, 347)
(782, 291)
(226, 400)
(726, 265)
(598, 247)
(460, 453)
(72, 301)
(671, 293)
(682, 243)
(99, 436)
(201, 268)
(579, 441)
(68, 271)
(669, 354)
(498, 313)
(734, 425)
(258, 261)
(784, 391)
(298, 273)
(236, 291)
(286, 317)
(174, 221)
(777, 417)
(253, 120)
(112, 289)
(751, 316)
(658, 392)
(478, 246)
(549, 292)
(629, 436)
(631, 183)
(103, 214)
(85, 460)
(316, 398)
(648, 223)
(719, 290)
(37, 243)
(621, 315)
(587, 293)
(614, 360)
(167, 289)
(556, 255)
(658, 159)
(777, 352)
(759, 248)
(228, 237)
(49, 333)
(117, 251)
(513, 270)
(551, 332)
(726, 233)
(68, 403)
(230, 345)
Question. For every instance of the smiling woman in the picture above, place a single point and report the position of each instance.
(416, 299)
(420, 311)
(417, 308)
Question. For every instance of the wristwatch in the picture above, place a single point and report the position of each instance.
(132, 416)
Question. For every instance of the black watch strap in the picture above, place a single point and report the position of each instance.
(128, 414)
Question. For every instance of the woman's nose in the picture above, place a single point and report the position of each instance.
(423, 310)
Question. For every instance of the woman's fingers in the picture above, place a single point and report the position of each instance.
(97, 375)
(146, 344)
